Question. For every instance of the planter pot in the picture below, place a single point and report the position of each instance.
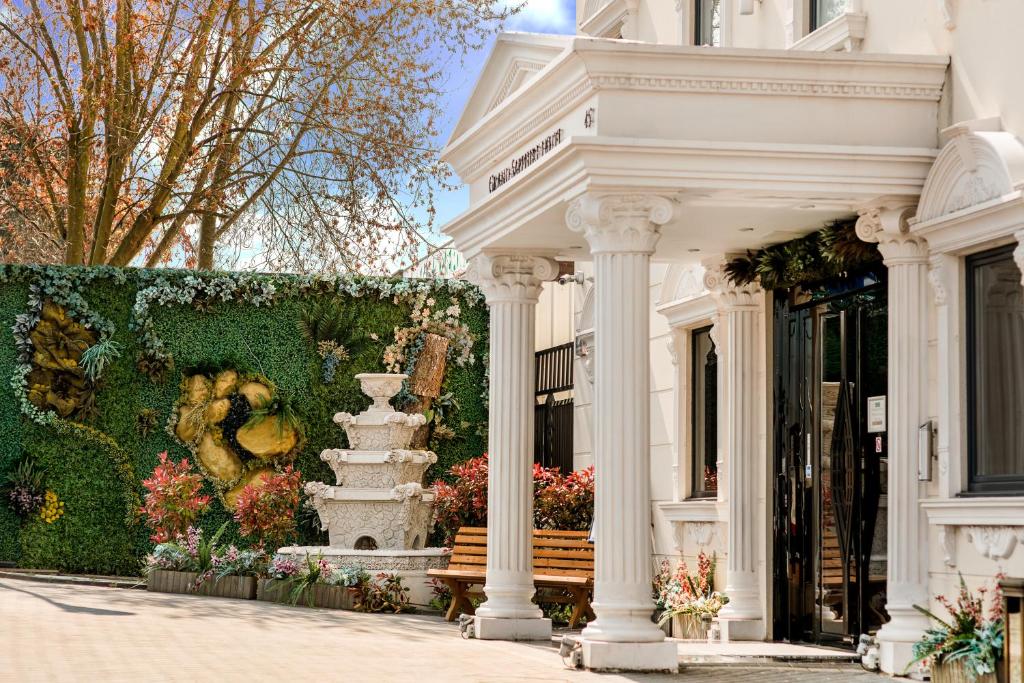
(319, 595)
(238, 587)
(690, 627)
(953, 672)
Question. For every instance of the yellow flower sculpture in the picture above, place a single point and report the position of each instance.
(53, 508)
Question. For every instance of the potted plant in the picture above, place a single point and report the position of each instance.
(314, 582)
(969, 647)
(688, 601)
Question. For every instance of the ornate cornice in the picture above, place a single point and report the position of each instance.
(621, 223)
(512, 278)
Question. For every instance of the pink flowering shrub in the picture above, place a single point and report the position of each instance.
(266, 508)
(172, 502)
(560, 502)
(678, 592)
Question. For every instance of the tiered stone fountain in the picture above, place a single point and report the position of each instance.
(377, 515)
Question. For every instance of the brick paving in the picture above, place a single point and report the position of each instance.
(85, 633)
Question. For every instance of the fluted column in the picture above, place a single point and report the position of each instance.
(622, 231)
(740, 337)
(906, 257)
(512, 285)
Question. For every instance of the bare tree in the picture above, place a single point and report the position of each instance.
(295, 133)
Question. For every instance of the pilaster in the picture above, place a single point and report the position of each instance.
(512, 284)
(622, 231)
(906, 257)
(739, 308)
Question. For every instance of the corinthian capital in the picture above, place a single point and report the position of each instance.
(512, 277)
(886, 222)
(623, 223)
(725, 292)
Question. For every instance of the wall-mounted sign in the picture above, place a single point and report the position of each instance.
(876, 414)
(525, 160)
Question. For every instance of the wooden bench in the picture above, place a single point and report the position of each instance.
(563, 570)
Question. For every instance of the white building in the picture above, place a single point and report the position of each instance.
(845, 449)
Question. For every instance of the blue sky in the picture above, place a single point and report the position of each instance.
(539, 16)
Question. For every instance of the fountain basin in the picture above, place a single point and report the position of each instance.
(379, 431)
(378, 469)
(373, 518)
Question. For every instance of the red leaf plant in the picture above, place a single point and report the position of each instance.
(560, 502)
(266, 508)
(173, 502)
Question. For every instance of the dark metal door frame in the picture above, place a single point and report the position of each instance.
(801, 513)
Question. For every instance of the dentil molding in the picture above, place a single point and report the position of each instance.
(619, 223)
(515, 278)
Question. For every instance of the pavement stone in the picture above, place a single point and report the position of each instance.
(76, 633)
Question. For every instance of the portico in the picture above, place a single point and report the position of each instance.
(621, 153)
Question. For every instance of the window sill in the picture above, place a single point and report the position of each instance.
(694, 510)
(845, 33)
(975, 511)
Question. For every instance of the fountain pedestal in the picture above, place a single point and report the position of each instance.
(377, 514)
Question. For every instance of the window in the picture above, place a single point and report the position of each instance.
(707, 23)
(824, 11)
(995, 373)
(704, 414)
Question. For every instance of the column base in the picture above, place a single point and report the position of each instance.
(660, 657)
(741, 629)
(896, 638)
(493, 628)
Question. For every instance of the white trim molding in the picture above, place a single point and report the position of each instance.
(845, 33)
(993, 525)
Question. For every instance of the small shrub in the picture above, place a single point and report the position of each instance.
(266, 509)
(173, 501)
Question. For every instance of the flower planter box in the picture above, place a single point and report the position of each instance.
(690, 627)
(953, 672)
(238, 587)
(318, 595)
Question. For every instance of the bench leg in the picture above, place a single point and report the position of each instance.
(580, 606)
(461, 603)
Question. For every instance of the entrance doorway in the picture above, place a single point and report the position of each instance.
(830, 457)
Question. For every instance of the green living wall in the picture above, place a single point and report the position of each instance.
(158, 327)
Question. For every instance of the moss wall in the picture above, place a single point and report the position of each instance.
(93, 535)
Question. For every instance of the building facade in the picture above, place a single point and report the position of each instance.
(847, 445)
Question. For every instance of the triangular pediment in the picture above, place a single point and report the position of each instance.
(515, 59)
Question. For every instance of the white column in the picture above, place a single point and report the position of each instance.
(906, 257)
(622, 231)
(512, 285)
(739, 339)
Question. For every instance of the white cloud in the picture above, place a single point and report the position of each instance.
(548, 16)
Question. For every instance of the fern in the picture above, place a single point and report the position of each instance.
(333, 321)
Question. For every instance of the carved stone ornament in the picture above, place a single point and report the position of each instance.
(726, 293)
(994, 542)
(888, 225)
(621, 223)
(512, 277)
(947, 543)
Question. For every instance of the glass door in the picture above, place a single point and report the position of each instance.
(830, 360)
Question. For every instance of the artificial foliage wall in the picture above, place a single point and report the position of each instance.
(105, 368)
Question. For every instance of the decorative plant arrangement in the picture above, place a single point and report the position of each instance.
(53, 508)
(831, 252)
(335, 333)
(688, 600)
(130, 324)
(969, 645)
(314, 582)
(238, 427)
(564, 502)
(386, 594)
(195, 564)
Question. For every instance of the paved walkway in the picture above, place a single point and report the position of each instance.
(84, 633)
